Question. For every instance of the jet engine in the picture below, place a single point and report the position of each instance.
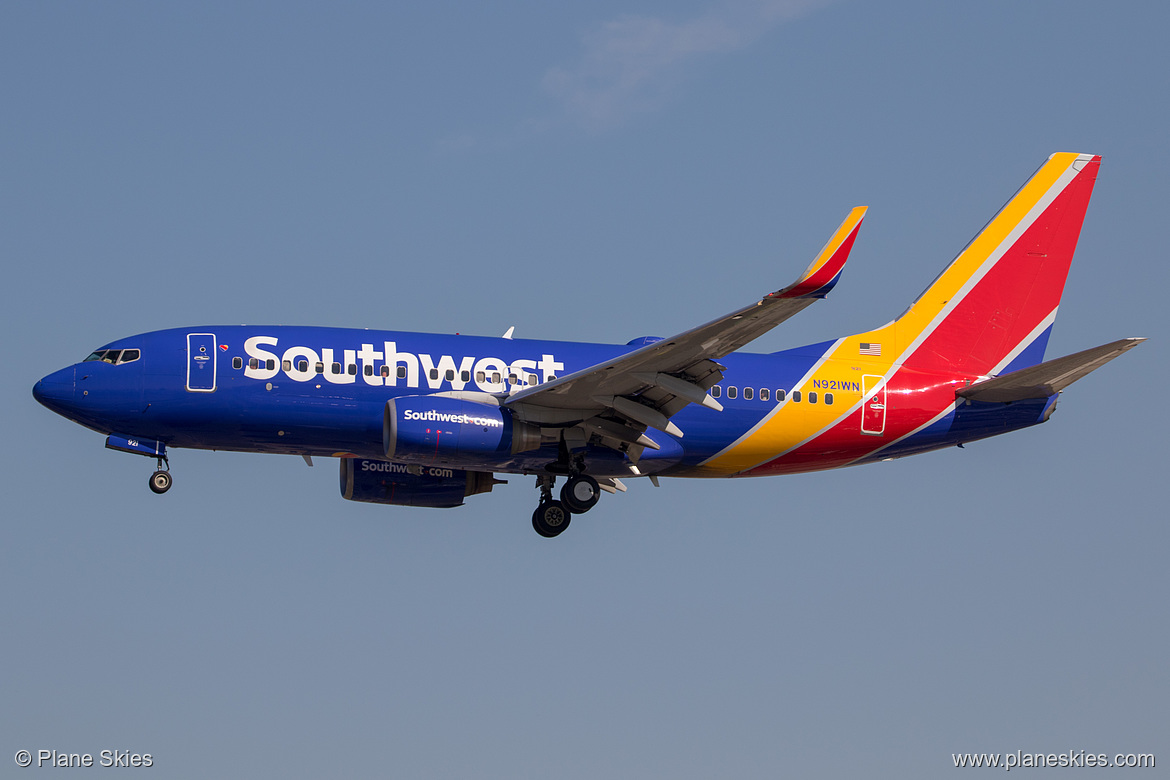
(380, 482)
(438, 429)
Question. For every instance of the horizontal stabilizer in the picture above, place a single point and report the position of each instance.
(1048, 378)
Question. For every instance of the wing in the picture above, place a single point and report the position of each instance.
(619, 398)
(1048, 378)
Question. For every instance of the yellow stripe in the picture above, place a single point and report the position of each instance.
(923, 311)
(796, 423)
(835, 241)
(793, 423)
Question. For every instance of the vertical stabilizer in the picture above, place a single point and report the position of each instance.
(992, 309)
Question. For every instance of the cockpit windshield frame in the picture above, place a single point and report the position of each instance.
(114, 356)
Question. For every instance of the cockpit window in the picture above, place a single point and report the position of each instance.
(118, 356)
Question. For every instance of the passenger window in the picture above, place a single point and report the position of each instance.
(385, 371)
(732, 392)
(795, 396)
(353, 369)
(532, 379)
(286, 365)
(748, 394)
(716, 391)
(237, 362)
(434, 373)
(779, 395)
(320, 368)
(302, 366)
(270, 364)
(128, 356)
(450, 375)
(812, 397)
(253, 363)
(496, 377)
(369, 370)
(828, 399)
(511, 379)
(401, 372)
(335, 368)
(480, 377)
(464, 376)
(763, 394)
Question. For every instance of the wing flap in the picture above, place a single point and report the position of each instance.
(1048, 378)
(669, 374)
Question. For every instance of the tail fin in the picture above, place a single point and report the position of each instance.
(992, 309)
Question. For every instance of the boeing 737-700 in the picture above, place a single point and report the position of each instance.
(428, 420)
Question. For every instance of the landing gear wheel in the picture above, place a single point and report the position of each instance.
(160, 481)
(580, 494)
(550, 519)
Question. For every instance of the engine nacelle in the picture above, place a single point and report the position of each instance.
(379, 482)
(439, 429)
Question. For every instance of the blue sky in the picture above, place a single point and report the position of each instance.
(596, 172)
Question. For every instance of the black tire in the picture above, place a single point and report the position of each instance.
(580, 494)
(550, 519)
(160, 482)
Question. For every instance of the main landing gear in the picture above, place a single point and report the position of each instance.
(160, 480)
(578, 495)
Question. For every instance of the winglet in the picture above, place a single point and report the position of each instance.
(822, 275)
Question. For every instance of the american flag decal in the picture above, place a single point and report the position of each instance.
(868, 348)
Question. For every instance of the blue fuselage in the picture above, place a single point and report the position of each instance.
(323, 391)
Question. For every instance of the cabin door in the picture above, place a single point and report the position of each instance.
(201, 362)
(873, 407)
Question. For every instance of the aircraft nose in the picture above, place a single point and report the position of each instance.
(56, 390)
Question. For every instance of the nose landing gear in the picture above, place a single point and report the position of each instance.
(160, 480)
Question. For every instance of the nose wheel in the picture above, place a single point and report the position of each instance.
(160, 480)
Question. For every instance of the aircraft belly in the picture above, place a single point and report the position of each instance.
(257, 420)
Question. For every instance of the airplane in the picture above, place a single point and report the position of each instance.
(429, 420)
